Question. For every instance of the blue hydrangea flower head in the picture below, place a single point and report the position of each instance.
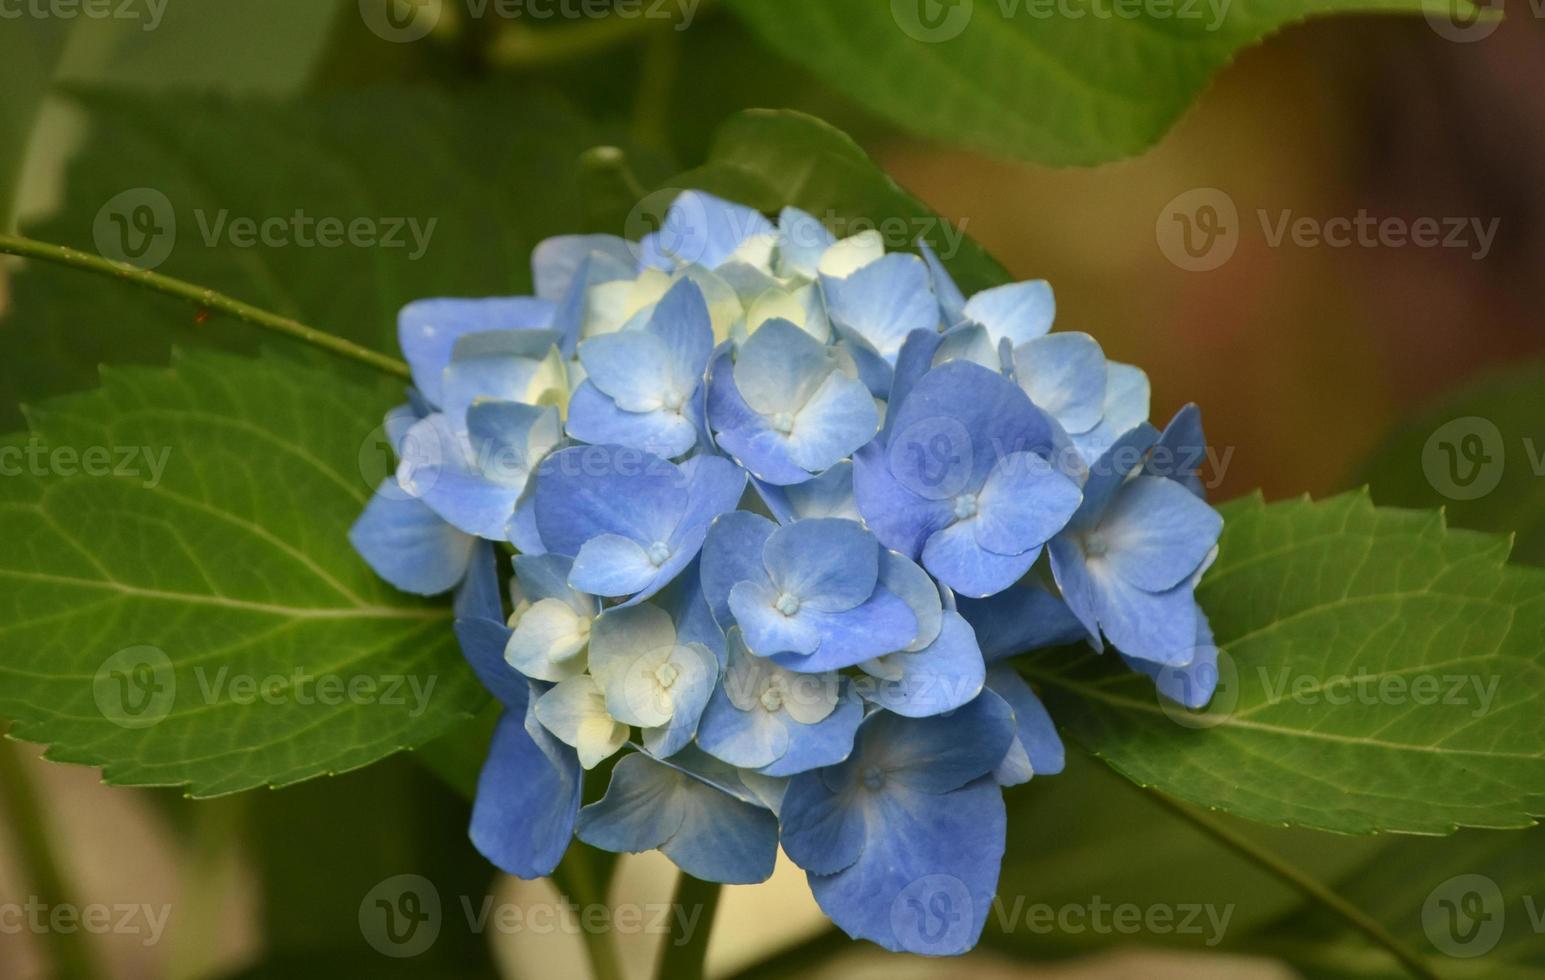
(778, 502)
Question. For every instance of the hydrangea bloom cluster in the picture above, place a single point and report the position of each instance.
(777, 505)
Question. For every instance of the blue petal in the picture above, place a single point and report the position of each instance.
(1109, 472)
(527, 798)
(1064, 374)
(883, 623)
(682, 323)
(820, 833)
(555, 262)
(1023, 504)
(705, 831)
(1158, 533)
(612, 565)
(1126, 407)
(1157, 626)
(768, 631)
(547, 577)
(408, 544)
(901, 519)
(827, 742)
(586, 491)
(839, 418)
(914, 361)
(802, 240)
(704, 230)
(912, 585)
(442, 472)
(828, 564)
(747, 739)
(780, 367)
(928, 871)
(1019, 619)
(595, 418)
(955, 558)
(827, 495)
(1193, 684)
(884, 301)
(952, 303)
(500, 365)
(428, 329)
(1079, 590)
(1020, 311)
(939, 753)
(1034, 730)
(1181, 451)
(732, 553)
(941, 677)
(764, 453)
(631, 367)
(479, 595)
(691, 692)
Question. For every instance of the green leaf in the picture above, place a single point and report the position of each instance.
(1479, 454)
(180, 602)
(1472, 904)
(485, 175)
(770, 159)
(1387, 676)
(1076, 82)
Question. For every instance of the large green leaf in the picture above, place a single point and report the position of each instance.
(485, 175)
(1388, 674)
(1066, 82)
(1479, 454)
(180, 603)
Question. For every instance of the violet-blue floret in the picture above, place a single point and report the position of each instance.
(758, 517)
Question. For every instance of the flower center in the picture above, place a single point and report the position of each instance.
(674, 400)
(874, 778)
(965, 506)
(783, 422)
(1095, 545)
(658, 553)
(666, 674)
(772, 699)
(787, 604)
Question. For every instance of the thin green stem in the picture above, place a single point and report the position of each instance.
(201, 297)
(577, 878)
(686, 945)
(799, 959)
(23, 812)
(1307, 886)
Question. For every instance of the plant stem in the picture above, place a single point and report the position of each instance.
(576, 877)
(20, 803)
(1311, 889)
(204, 298)
(798, 959)
(686, 945)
